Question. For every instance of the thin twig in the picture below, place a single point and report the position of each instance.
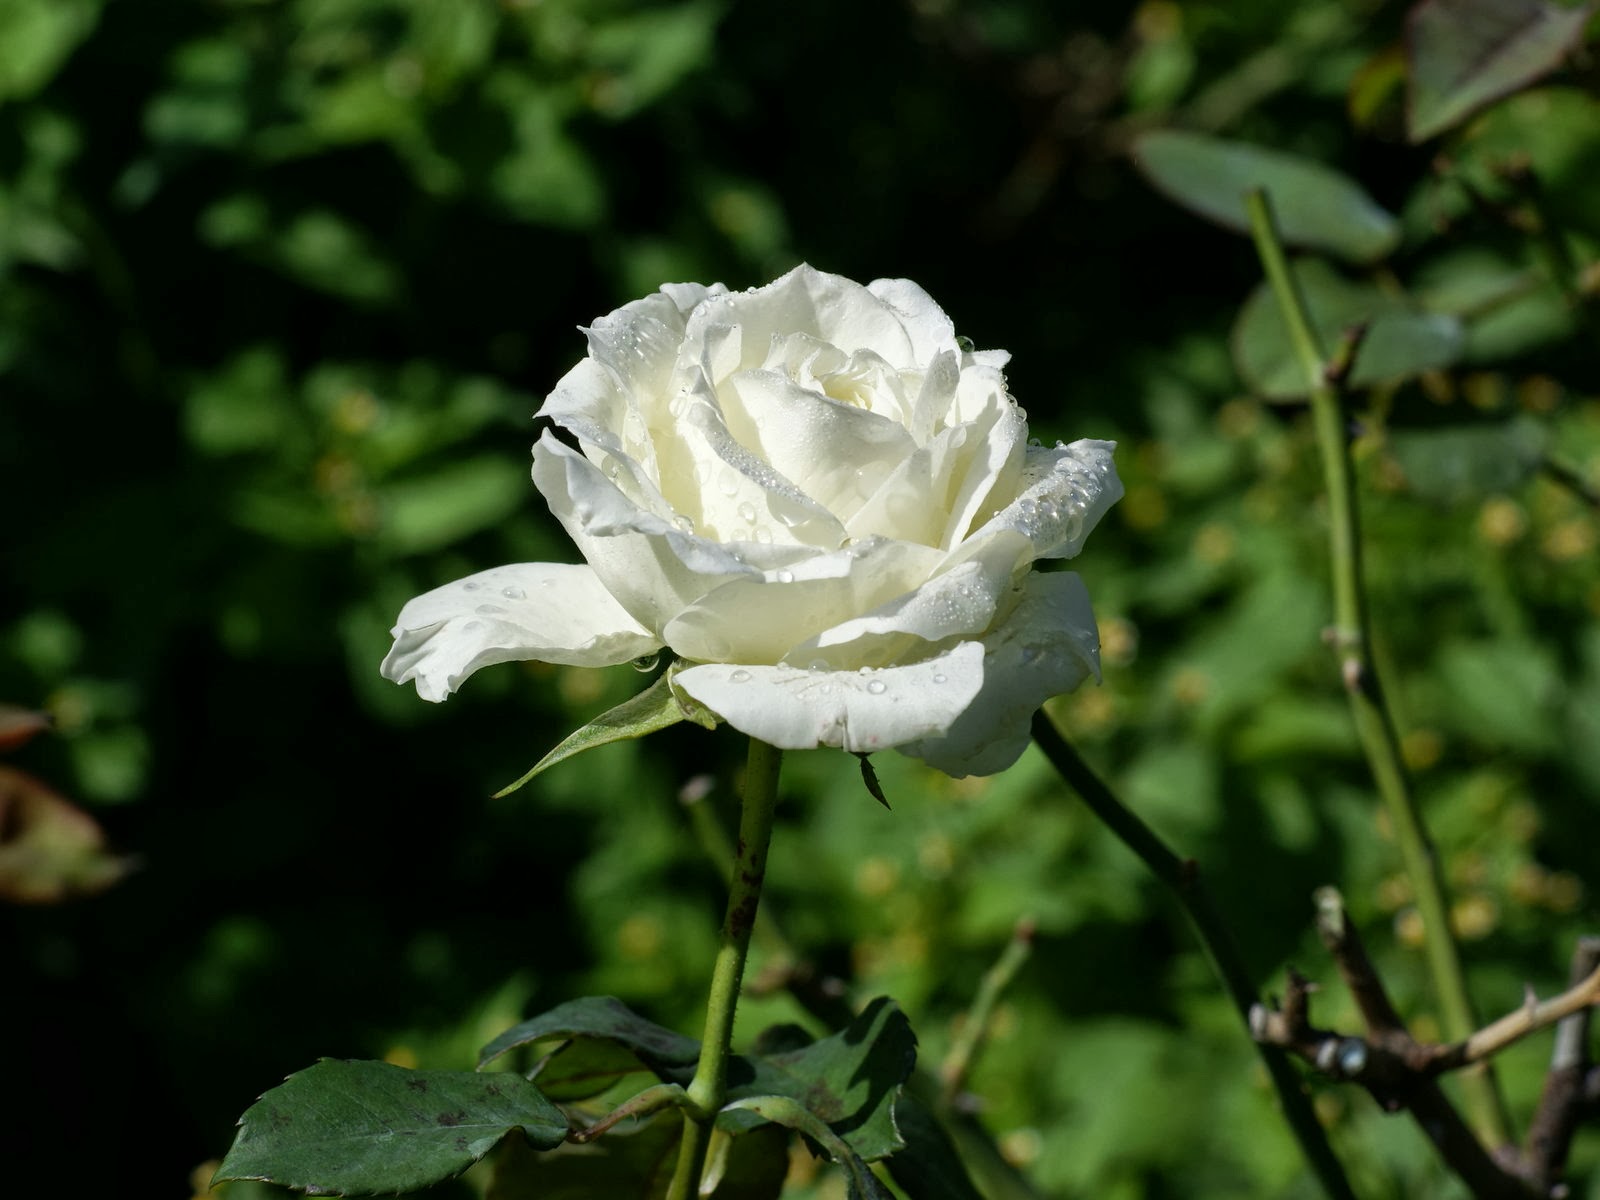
(1388, 1062)
(1183, 877)
(1352, 640)
(964, 1049)
(1563, 1099)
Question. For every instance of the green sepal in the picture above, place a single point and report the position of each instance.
(357, 1128)
(659, 706)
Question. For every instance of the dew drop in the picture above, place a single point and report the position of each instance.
(1035, 443)
(785, 576)
(877, 687)
(646, 662)
(747, 513)
(818, 664)
(764, 535)
(513, 593)
(489, 609)
(728, 482)
(472, 585)
(939, 679)
(683, 523)
(471, 625)
(740, 676)
(547, 583)
(612, 469)
(965, 344)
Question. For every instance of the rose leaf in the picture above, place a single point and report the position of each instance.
(1464, 54)
(358, 1128)
(1315, 206)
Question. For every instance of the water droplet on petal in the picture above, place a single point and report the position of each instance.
(747, 513)
(939, 679)
(471, 625)
(472, 585)
(728, 482)
(877, 687)
(513, 593)
(764, 535)
(817, 664)
(785, 576)
(684, 524)
(490, 609)
(646, 662)
(740, 676)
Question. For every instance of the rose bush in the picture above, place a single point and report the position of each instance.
(822, 500)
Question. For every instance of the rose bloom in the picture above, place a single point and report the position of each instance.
(823, 501)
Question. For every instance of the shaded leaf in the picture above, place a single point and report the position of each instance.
(357, 1128)
(50, 849)
(636, 1163)
(1401, 341)
(1463, 54)
(860, 1182)
(659, 706)
(930, 1167)
(1315, 206)
(850, 1080)
(1463, 463)
(609, 1019)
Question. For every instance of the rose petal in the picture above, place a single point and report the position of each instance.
(922, 319)
(1063, 494)
(762, 620)
(545, 611)
(836, 453)
(654, 568)
(1048, 645)
(956, 603)
(861, 711)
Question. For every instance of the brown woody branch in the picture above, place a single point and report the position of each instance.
(1401, 1073)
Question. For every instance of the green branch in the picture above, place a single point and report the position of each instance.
(1183, 877)
(1352, 640)
(708, 1089)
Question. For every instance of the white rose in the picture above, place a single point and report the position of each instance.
(821, 498)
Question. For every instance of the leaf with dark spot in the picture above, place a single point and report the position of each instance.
(357, 1128)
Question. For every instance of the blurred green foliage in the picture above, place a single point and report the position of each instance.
(281, 282)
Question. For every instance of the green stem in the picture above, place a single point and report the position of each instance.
(1352, 639)
(953, 1071)
(708, 1089)
(1183, 877)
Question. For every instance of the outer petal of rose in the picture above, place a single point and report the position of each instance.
(1062, 494)
(860, 711)
(1048, 645)
(955, 604)
(546, 611)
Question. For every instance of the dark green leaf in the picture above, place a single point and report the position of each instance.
(657, 707)
(1463, 54)
(1315, 206)
(929, 1168)
(850, 1080)
(607, 1018)
(1401, 341)
(357, 1128)
(635, 1162)
(860, 1182)
(1466, 463)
